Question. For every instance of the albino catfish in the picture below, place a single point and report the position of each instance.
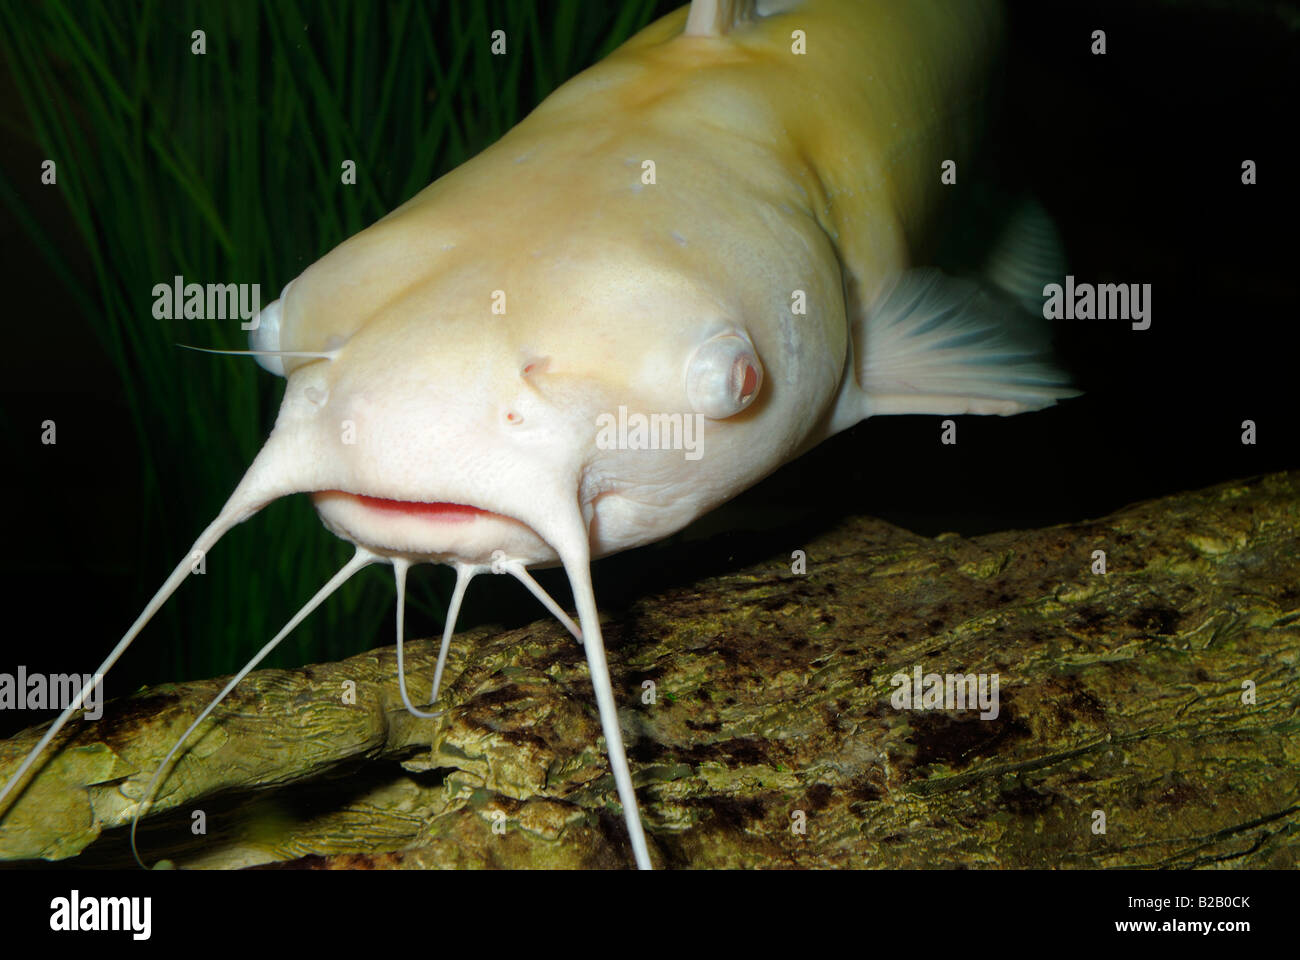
(713, 231)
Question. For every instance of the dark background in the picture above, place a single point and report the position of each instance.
(1137, 155)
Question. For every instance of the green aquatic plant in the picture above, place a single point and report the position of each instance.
(224, 166)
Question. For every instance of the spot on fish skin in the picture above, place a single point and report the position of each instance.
(514, 419)
(679, 238)
(315, 396)
(524, 157)
(637, 187)
(449, 246)
(790, 341)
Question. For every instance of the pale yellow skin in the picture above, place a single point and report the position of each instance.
(775, 172)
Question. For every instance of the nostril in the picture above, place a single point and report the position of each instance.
(513, 418)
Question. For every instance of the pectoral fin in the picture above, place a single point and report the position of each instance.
(944, 345)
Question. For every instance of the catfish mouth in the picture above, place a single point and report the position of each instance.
(440, 511)
(436, 530)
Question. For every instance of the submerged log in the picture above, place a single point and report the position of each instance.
(1146, 716)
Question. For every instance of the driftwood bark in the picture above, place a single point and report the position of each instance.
(1160, 696)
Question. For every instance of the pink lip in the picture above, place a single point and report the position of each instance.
(440, 511)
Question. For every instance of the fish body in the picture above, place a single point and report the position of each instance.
(717, 226)
(774, 172)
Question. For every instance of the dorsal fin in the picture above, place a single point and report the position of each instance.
(714, 18)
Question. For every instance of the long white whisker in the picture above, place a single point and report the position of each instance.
(237, 509)
(322, 355)
(400, 566)
(464, 574)
(576, 558)
(517, 570)
(360, 559)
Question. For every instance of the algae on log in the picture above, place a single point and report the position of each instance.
(1146, 717)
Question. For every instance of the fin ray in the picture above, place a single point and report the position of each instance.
(938, 344)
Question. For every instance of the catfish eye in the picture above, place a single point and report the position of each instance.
(266, 336)
(723, 376)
